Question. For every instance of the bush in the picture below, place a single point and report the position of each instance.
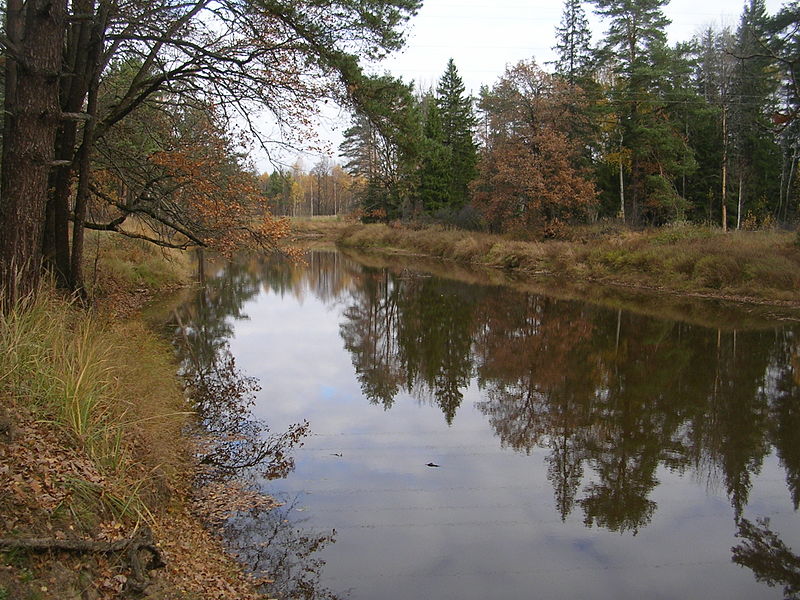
(718, 271)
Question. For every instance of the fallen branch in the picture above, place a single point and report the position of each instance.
(142, 541)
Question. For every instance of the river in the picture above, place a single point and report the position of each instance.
(471, 438)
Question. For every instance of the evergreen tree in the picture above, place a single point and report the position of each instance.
(784, 48)
(435, 162)
(708, 124)
(458, 122)
(372, 158)
(573, 40)
(636, 52)
(278, 190)
(757, 156)
(384, 148)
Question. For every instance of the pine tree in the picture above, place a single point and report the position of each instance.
(458, 122)
(636, 27)
(636, 52)
(573, 43)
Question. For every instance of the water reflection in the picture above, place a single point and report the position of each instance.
(236, 444)
(615, 399)
(771, 560)
(614, 392)
(279, 550)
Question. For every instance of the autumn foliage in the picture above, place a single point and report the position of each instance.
(192, 189)
(529, 178)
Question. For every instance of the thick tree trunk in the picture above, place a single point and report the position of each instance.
(13, 26)
(29, 146)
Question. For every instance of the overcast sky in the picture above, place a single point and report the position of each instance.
(483, 36)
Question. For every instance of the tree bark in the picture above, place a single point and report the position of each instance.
(739, 207)
(73, 95)
(95, 47)
(724, 168)
(29, 145)
(13, 26)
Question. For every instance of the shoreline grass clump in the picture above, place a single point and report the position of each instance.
(95, 383)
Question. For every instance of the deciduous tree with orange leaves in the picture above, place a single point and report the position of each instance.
(529, 178)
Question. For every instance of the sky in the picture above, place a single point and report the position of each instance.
(483, 36)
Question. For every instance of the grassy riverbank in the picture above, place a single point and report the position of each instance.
(95, 445)
(757, 266)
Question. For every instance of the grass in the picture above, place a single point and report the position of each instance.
(97, 383)
(94, 432)
(114, 262)
(689, 259)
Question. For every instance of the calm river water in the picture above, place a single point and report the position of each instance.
(582, 451)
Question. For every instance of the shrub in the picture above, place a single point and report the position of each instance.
(717, 271)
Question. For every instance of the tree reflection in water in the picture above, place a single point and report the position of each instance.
(763, 552)
(240, 448)
(411, 333)
(278, 550)
(223, 396)
(611, 396)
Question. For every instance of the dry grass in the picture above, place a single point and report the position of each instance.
(113, 262)
(110, 388)
(760, 265)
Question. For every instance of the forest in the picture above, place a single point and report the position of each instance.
(629, 128)
(129, 135)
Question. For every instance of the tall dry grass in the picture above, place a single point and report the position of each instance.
(113, 262)
(110, 387)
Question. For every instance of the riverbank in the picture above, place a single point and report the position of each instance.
(745, 266)
(97, 458)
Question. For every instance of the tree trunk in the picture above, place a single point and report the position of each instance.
(792, 167)
(724, 168)
(621, 181)
(13, 31)
(92, 70)
(29, 146)
(73, 94)
(739, 207)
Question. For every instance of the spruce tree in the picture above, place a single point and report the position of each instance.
(458, 122)
(784, 47)
(757, 156)
(635, 49)
(573, 43)
(435, 162)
